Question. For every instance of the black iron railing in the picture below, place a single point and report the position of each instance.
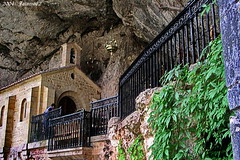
(102, 111)
(39, 125)
(70, 131)
(181, 42)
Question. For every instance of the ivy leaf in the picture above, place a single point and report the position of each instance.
(199, 112)
(174, 118)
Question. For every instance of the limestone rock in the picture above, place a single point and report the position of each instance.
(112, 129)
(133, 125)
(31, 36)
(147, 18)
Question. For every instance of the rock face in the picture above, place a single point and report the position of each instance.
(230, 29)
(147, 18)
(32, 32)
(132, 126)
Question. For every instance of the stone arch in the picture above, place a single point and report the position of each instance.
(74, 96)
(68, 105)
(23, 112)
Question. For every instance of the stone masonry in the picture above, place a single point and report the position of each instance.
(31, 96)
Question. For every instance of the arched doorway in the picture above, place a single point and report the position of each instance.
(68, 105)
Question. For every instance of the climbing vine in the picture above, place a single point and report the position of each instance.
(135, 151)
(121, 152)
(190, 114)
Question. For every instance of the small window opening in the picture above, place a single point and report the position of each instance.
(1, 116)
(23, 113)
(72, 56)
(72, 75)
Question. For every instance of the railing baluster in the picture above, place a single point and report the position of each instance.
(163, 60)
(214, 21)
(105, 109)
(171, 53)
(159, 55)
(147, 75)
(198, 39)
(169, 56)
(193, 59)
(203, 32)
(70, 131)
(153, 70)
(179, 48)
(138, 81)
(39, 125)
(175, 50)
(187, 61)
(208, 28)
(184, 45)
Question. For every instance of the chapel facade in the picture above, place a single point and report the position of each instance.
(66, 86)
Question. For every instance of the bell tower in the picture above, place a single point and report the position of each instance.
(71, 53)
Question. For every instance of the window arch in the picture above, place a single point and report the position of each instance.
(72, 56)
(23, 113)
(1, 116)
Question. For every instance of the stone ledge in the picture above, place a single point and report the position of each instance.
(39, 144)
(80, 152)
(99, 138)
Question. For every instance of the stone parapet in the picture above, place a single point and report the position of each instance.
(97, 151)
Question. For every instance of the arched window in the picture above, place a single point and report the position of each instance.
(23, 110)
(72, 56)
(1, 116)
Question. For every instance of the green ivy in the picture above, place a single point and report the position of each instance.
(136, 149)
(207, 7)
(121, 152)
(190, 116)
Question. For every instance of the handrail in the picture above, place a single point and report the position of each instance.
(101, 100)
(102, 111)
(70, 131)
(39, 125)
(181, 42)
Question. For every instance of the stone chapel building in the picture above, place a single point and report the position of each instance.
(66, 86)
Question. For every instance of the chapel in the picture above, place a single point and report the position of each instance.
(65, 86)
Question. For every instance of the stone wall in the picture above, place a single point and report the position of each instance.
(3, 103)
(21, 92)
(12, 127)
(98, 151)
(132, 126)
(73, 83)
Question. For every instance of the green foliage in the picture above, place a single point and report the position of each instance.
(121, 152)
(190, 114)
(136, 149)
(207, 7)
